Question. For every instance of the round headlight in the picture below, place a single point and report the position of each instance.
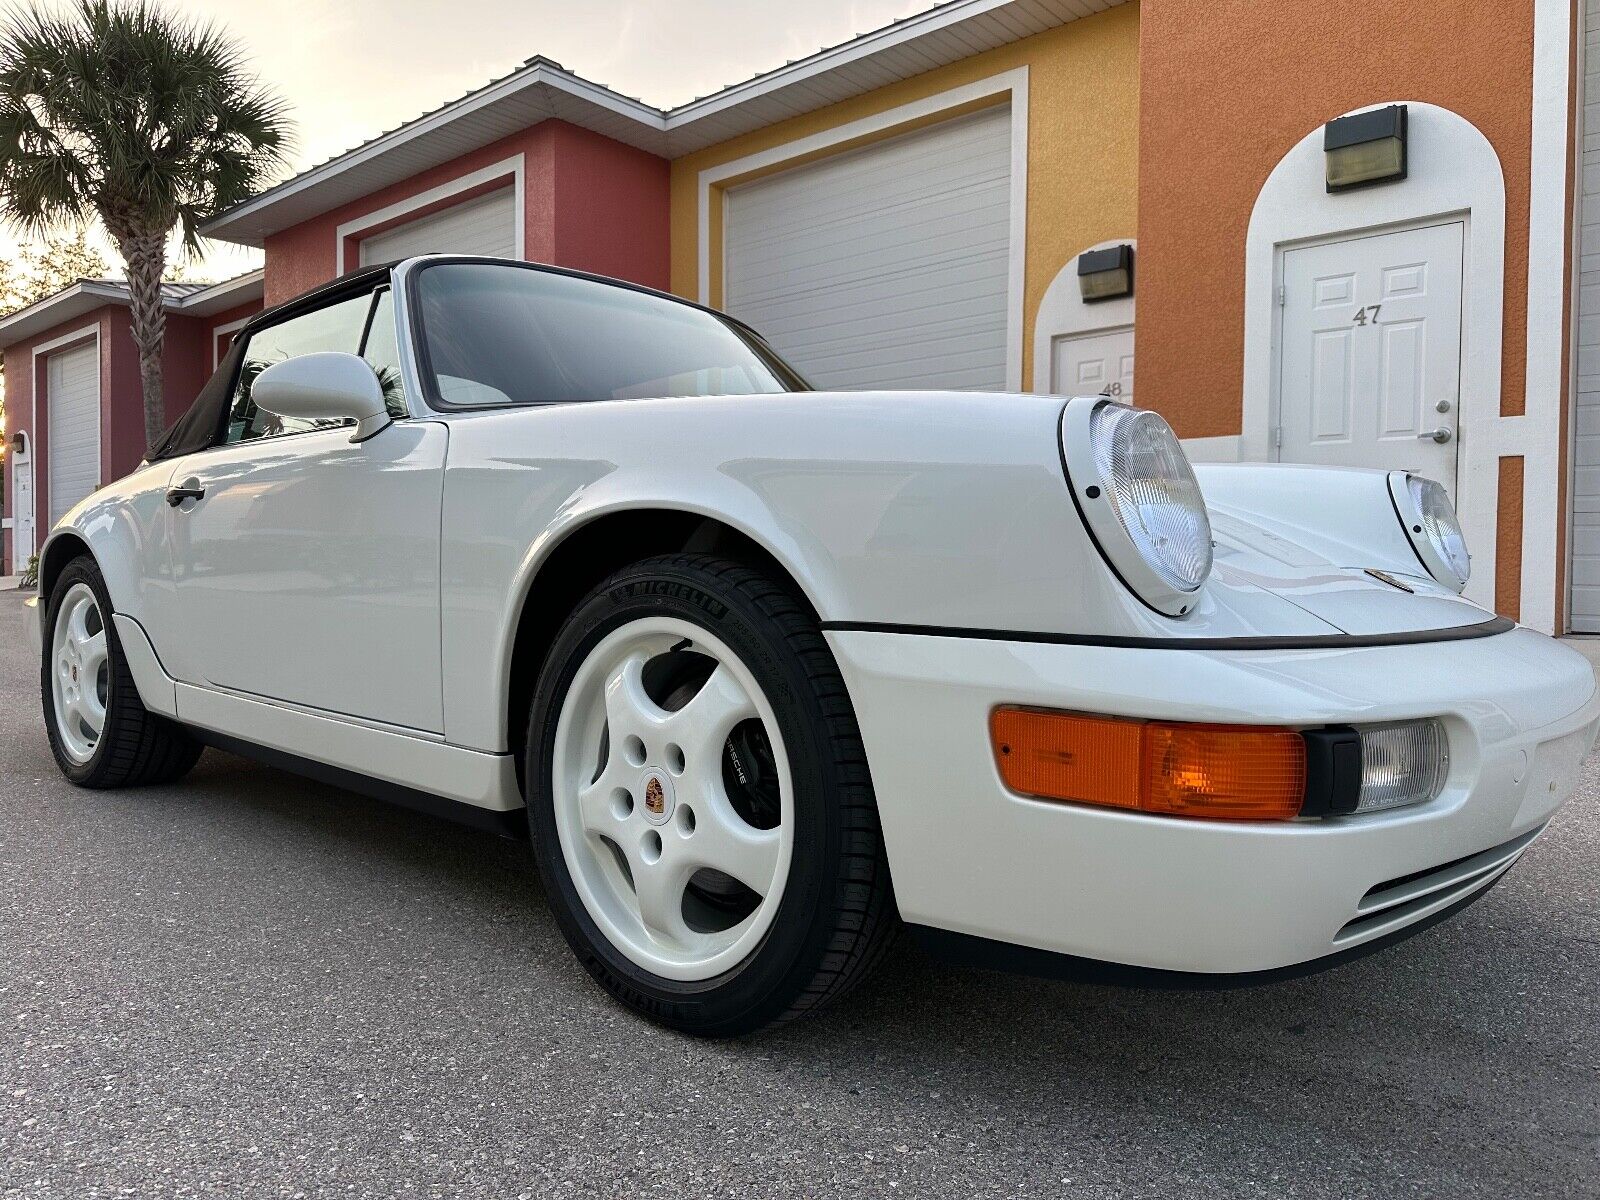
(1140, 499)
(1431, 523)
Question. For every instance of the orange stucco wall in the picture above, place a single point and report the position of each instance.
(1208, 139)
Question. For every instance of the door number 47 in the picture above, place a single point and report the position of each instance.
(1367, 316)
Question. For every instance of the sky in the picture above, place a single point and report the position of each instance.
(351, 69)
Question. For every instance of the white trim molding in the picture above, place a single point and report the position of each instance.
(1062, 313)
(44, 350)
(1455, 175)
(1548, 263)
(1014, 83)
(513, 166)
(217, 331)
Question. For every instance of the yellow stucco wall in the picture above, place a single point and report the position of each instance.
(1083, 136)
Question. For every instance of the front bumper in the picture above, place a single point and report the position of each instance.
(970, 857)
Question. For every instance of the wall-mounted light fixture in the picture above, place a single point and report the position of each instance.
(1105, 274)
(1366, 148)
(19, 442)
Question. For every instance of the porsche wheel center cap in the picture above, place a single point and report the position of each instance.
(655, 795)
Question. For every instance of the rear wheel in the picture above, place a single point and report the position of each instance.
(100, 731)
(699, 800)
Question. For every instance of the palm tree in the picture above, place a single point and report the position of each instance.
(117, 110)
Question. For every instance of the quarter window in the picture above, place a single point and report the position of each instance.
(337, 327)
(382, 350)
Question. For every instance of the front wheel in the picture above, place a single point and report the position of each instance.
(699, 801)
(100, 731)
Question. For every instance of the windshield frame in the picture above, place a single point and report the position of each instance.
(410, 281)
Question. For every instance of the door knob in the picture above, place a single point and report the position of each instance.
(1440, 435)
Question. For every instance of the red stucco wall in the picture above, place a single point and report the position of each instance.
(589, 202)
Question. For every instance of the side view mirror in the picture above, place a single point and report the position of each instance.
(330, 386)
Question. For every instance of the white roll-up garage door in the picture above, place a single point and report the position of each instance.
(487, 225)
(884, 267)
(1584, 575)
(72, 398)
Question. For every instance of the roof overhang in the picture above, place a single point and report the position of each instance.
(219, 297)
(542, 90)
(88, 295)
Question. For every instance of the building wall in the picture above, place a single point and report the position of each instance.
(1209, 138)
(27, 410)
(186, 365)
(217, 326)
(589, 202)
(1083, 103)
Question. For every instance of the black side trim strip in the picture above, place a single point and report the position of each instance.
(1328, 641)
(965, 950)
(509, 824)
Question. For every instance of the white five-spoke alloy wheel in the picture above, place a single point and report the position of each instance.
(81, 673)
(676, 859)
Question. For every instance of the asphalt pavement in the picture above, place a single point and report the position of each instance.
(250, 985)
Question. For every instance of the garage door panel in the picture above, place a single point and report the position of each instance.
(72, 397)
(1584, 570)
(885, 267)
(486, 225)
(886, 234)
(924, 296)
(875, 266)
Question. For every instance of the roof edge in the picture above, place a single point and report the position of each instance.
(655, 126)
(85, 295)
(537, 72)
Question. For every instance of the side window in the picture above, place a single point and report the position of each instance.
(337, 327)
(382, 350)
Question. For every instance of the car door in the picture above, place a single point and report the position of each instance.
(306, 567)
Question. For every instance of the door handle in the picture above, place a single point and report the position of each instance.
(189, 489)
(1440, 435)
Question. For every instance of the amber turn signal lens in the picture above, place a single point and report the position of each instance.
(1216, 772)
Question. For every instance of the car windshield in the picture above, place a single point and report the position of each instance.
(498, 334)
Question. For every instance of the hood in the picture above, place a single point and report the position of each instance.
(1335, 587)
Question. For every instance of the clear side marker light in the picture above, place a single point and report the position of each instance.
(1402, 764)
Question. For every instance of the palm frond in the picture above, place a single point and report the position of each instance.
(151, 120)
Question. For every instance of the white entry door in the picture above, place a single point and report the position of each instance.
(22, 539)
(1371, 352)
(1094, 364)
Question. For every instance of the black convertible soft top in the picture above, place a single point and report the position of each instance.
(202, 426)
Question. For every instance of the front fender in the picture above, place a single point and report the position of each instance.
(123, 525)
(937, 510)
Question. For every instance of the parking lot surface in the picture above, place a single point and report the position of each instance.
(253, 985)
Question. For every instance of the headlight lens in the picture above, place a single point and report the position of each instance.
(1441, 525)
(1434, 529)
(1140, 499)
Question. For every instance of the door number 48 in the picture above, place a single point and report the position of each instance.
(1367, 316)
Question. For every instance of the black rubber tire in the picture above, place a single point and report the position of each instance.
(137, 746)
(837, 915)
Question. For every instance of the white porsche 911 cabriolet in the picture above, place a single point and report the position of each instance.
(766, 672)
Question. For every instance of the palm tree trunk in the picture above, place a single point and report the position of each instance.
(145, 257)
